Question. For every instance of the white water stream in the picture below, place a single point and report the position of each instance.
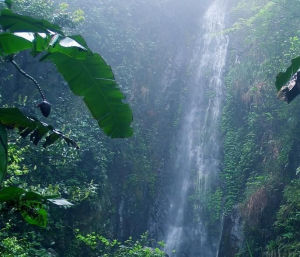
(198, 145)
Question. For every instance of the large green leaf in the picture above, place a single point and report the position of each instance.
(87, 73)
(11, 194)
(93, 79)
(34, 213)
(69, 47)
(12, 44)
(31, 205)
(284, 77)
(14, 118)
(3, 152)
(13, 22)
(16, 194)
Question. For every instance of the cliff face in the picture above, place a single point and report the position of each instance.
(261, 134)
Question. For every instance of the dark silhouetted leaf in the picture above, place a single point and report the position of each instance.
(14, 118)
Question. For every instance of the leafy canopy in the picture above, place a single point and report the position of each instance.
(88, 76)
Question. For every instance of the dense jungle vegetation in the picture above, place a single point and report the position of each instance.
(106, 198)
(261, 134)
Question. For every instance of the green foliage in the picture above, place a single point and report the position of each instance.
(94, 80)
(207, 207)
(288, 221)
(16, 167)
(260, 133)
(13, 22)
(28, 126)
(29, 204)
(114, 248)
(11, 245)
(215, 205)
(87, 73)
(8, 3)
(34, 213)
(11, 44)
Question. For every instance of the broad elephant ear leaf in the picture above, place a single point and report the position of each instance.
(28, 126)
(13, 22)
(3, 152)
(87, 74)
(12, 44)
(93, 79)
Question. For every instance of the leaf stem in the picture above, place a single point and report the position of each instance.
(30, 78)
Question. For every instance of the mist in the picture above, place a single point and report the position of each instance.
(212, 166)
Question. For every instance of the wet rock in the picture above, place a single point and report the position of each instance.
(232, 238)
(288, 92)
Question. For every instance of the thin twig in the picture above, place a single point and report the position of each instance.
(29, 77)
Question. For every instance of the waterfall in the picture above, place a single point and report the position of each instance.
(197, 158)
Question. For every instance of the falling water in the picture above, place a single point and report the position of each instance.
(198, 144)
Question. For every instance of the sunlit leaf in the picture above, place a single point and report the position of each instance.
(69, 42)
(12, 44)
(40, 43)
(69, 47)
(61, 202)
